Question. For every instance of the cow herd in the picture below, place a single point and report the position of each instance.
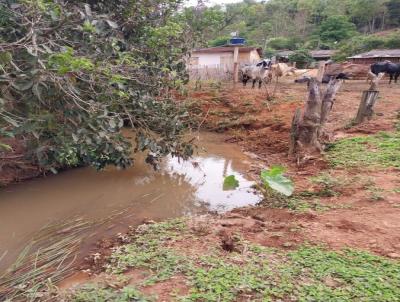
(264, 71)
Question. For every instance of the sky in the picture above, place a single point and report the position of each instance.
(211, 2)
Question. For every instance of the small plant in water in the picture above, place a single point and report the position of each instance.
(275, 180)
(230, 183)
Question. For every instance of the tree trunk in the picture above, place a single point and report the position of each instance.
(309, 124)
(306, 133)
(294, 132)
(368, 99)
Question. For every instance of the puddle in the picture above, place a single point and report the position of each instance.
(179, 188)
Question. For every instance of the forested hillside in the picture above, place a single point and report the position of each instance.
(347, 25)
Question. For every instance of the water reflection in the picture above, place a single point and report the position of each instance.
(207, 177)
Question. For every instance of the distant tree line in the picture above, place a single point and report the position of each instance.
(347, 25)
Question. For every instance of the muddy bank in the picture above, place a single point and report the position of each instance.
(14, 165)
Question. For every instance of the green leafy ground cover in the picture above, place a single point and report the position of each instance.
(380, 150)
(254, 273)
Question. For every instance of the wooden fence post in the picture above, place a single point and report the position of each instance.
(236, 65)
(321, 71)
(365, 110)
(368, 99)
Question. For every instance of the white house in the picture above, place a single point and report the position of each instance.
(223, 55)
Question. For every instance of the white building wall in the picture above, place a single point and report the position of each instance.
(209, 58)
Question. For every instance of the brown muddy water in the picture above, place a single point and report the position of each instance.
(178, 188)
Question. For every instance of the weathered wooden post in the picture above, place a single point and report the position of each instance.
(368, 99)
(236, 65)
(321, 70)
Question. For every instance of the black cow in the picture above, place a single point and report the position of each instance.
(341, 76)
(392, 69)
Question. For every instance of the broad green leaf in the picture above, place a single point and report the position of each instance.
(230, 183)
(274, 179)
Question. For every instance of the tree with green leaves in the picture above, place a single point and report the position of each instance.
(335, 29)
(74, 73)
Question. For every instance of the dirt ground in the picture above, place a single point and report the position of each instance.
(262, 127)
(363, 215)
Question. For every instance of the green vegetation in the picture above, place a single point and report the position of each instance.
(99, 294)
(397, 123)
(147, 246)
(380, 150)
(347, 25)
(73, 75)
(300, 203)
(230, 183)
(358, 43)
(329, 185)
(336, 28)
(302, 58)
(309, 273)
(274, 179)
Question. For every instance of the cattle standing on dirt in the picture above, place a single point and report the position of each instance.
(258, 72)
(392, 69)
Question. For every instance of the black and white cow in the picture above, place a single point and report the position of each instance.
(257, 73)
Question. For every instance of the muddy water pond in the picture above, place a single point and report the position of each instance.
(178, 188)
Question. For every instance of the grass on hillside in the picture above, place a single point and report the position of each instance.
(255, 273)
